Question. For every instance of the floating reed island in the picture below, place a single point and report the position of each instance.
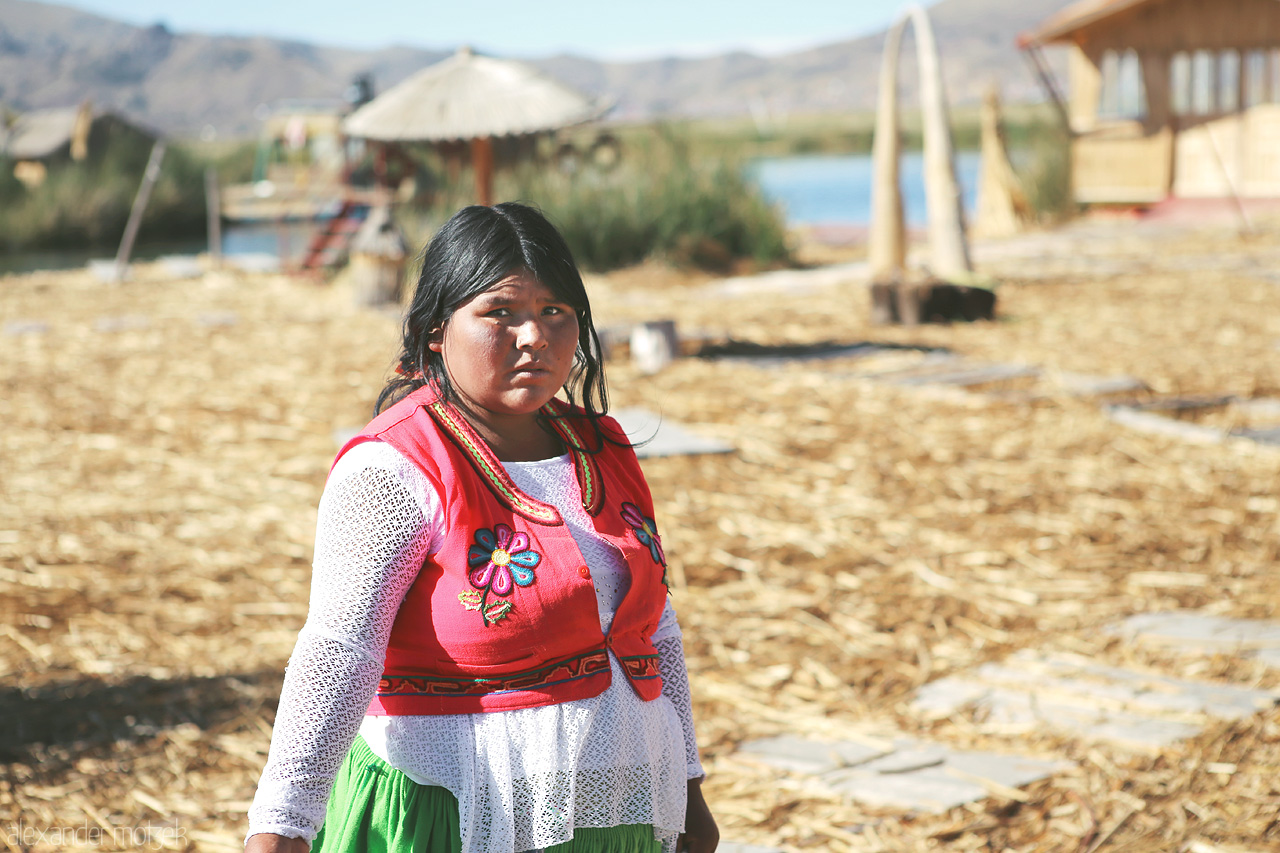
(166, 441)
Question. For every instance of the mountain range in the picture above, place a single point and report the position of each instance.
(188, 83)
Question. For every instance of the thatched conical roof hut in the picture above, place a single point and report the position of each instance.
(471, 99)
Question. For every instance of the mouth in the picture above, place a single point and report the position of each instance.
(531, 369)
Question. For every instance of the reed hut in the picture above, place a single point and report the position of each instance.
(1169, 98)
(466, 105)
(42, 140)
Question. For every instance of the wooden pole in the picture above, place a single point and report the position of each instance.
(1032, 52)
(213, 211)
(482, 162)
(1246, 224)
(886, 244)
(149, 178)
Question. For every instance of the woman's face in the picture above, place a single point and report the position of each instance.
(510, 348)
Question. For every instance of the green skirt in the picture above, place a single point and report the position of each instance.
(375, 808)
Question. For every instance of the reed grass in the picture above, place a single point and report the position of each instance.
(658, 201)
(1042, 162)
(87, 203)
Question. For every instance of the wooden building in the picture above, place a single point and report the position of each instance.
(1170, 98)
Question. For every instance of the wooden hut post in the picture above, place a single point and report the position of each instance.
(1159, 121)
(1086, 87)
(482, 162)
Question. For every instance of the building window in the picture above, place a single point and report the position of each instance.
(1255, 78)
(1108, 105)
(1274, 94)
(1123, 95)
(1202, 67)
(1228, 81)
(1180, 83)
(1132, 93)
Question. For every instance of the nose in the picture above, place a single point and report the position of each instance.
(530, 335)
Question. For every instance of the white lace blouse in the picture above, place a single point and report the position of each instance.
(524, 779)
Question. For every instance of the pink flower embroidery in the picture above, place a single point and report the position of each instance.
(646, 530)
(500, 560)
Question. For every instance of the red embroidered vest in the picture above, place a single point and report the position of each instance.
(504, 615)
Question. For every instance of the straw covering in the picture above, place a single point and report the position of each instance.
(468, 96)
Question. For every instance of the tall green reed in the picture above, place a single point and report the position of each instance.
(86, 204)
(657, 201)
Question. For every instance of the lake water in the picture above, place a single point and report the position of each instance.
(817, 189)
(286, 240)
(829, 189)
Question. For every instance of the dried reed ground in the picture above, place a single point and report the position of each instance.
(157, 508)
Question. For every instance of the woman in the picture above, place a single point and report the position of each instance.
(490, 662)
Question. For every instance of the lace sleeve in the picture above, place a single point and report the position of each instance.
(371, 538)
(675, 686)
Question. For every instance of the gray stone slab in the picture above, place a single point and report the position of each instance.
(803, 755)
(1148, 418)
(1261, 436)
(913, 776)
(967, 375)
(1203, 632)
(663, 436)
(908, 758)
(123, 323)
(735, 847)
(1012, 710)
(927, 777)
(932, 791)
(26, 327)
(1153, 424)
(1089, 385)
(218, 319)
(1145, 710)
(1132, 690)
(779, 356)
(934, 361)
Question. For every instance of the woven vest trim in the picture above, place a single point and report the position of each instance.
(641, 666)
(580, 666)
(585, 467)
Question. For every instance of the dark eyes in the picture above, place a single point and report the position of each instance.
(547, 310)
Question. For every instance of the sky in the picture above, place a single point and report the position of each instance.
(602, 29)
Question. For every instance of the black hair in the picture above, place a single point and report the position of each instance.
(475, 249)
